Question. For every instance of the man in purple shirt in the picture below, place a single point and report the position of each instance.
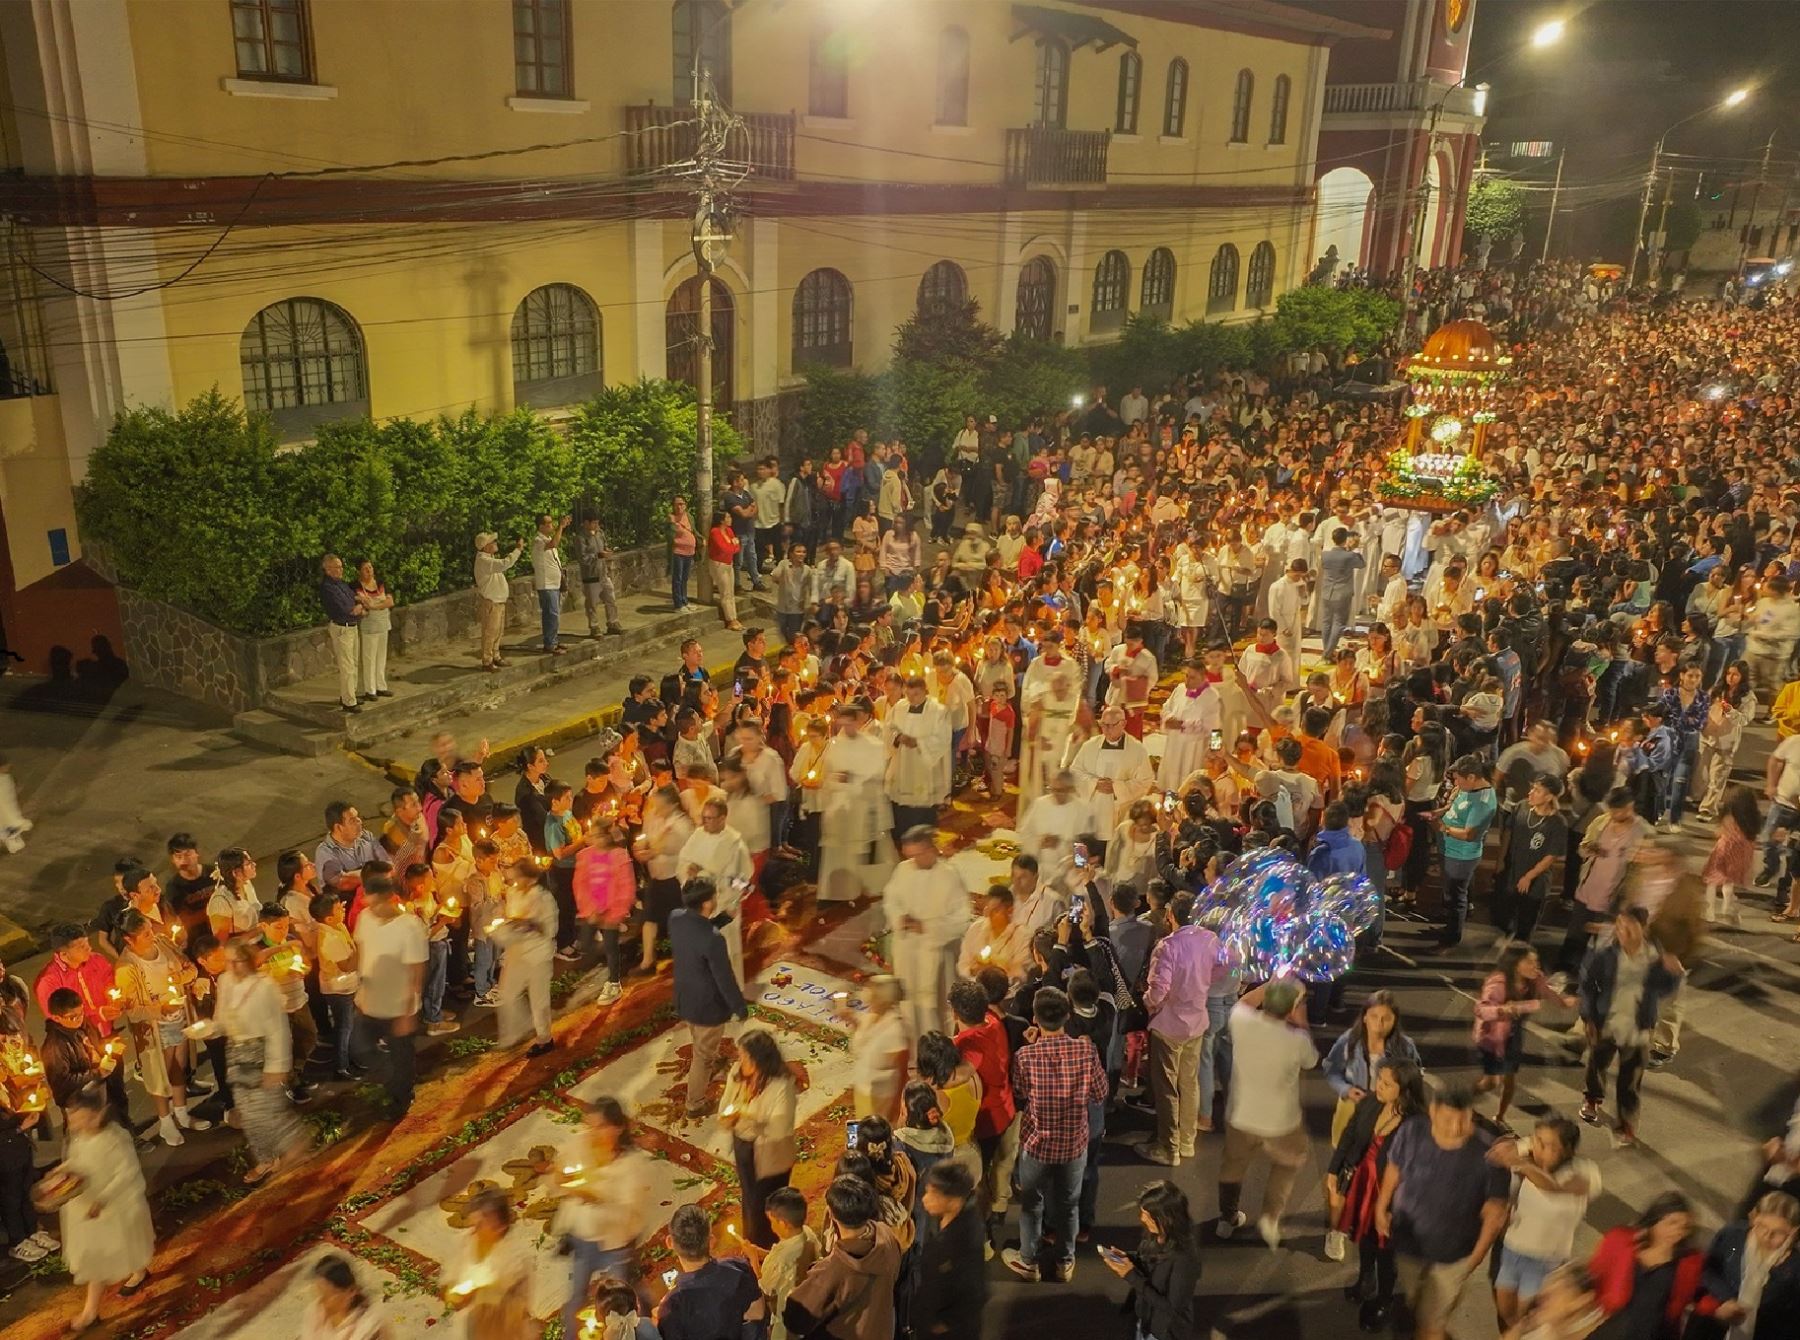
(1181, 971)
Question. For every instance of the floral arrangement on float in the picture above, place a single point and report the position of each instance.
(1454, 383)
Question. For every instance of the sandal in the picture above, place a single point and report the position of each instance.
(1780, 917)
(81, 1328)
(259, 1174)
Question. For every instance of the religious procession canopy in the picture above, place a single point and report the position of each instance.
(1453, 383)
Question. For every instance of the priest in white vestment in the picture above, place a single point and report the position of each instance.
(1112, 771)
(1049, 702)
(1190, 715)
(926, 905)
(856, 853)
(918, 748)
(717, 851)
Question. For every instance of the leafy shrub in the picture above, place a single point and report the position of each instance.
(198, 506)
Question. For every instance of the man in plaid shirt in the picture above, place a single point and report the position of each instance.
(1055, 1079)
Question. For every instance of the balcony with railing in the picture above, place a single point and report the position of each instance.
(1046, 156)
(660, 137)
(1420, 95)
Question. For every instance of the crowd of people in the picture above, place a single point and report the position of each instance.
(1100, 618)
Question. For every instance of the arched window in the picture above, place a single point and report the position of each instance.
(302, 360)
(945, 288)
(1240, 107)
(953, 78)
(1259, 284)
(681, 333)
(1051, 94)
(822, 320)
(1221, 283)
(1034, 315)
(703, 28)
(1278, 106)
(1131, 82)
(1175, 99)
(1112, 289)
(1157, 297)
(556, 347)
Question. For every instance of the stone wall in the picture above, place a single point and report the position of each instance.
(169, 648)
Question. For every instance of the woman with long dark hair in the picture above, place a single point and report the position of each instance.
(1426, 760)
(1733, 708)
(1514, 989)
(1353, 1184)
(1375, 1039)
(1165, 1269)
(1647, 1274)
(758, 1109)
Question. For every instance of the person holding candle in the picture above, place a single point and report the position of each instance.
(607, 1197)
(283, 961)
(153, 980)
(260, 1059)
(490, 1278)
(526, 932)
(758, 1109)
(341, 1309)
(107, 1237)
(233, 907)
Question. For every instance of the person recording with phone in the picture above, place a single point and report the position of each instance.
(1165, 1269)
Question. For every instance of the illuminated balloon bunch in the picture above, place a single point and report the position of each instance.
(1277, 919)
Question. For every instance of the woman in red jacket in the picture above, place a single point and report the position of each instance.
(1646, 1277)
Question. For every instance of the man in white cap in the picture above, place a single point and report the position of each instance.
(492, 591)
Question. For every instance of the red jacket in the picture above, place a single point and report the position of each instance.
(985, 1049)
(721, 543)
(1614, 1268)
(92, 981)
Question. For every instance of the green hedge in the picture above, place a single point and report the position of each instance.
(200, 507)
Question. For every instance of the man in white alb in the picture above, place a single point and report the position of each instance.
(926, 905)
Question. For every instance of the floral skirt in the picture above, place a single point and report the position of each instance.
(271, 1126)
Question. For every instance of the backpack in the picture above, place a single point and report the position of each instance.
(1398, 846)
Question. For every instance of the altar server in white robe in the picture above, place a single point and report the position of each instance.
(1112, 771)
(717, 851)
(926, 905)
(856, 853)
(1268, 670)
(1055, 824)
(918, 747)
(1190, 714)
(1288, 598)
(1049, 701)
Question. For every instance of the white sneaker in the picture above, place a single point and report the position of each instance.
(170, 1132)
(1336, 1245)
(611, 992)
(1270, 1230)
(15, 845)
(1227, 1227)
(27, 1251)
(46, 1241)
(442, 1028)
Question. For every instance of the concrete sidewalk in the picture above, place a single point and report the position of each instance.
(111, 773)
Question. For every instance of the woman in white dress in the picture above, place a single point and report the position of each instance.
(106, 1233)
(490, 1280)
(341, 1309)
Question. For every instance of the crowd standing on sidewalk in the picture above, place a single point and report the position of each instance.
(1520, 701)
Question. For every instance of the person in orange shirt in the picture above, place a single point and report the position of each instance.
(1319, 760)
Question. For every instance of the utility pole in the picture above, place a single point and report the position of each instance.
(709, 235)
(1637, 233)
(1660, 238)
(1762, 174)
(1555, 191)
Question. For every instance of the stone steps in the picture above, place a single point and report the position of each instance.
(305, 719)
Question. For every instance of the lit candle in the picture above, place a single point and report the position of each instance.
(495, 924)
(987, 952)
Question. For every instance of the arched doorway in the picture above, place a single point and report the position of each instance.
(682, 324)
(1034, 315)
(1343, 217)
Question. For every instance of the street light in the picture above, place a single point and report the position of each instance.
(1549, 34)
(1735, 98)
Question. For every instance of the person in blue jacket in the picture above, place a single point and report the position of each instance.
(706, 989)
(1750, 1281)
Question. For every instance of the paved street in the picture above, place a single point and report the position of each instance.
(114, 776)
